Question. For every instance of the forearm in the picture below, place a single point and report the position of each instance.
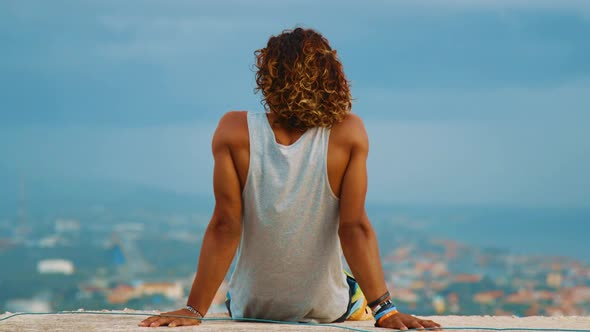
(359, 244)
(217, 251)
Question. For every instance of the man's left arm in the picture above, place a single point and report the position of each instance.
(357, 236)
(221, 238)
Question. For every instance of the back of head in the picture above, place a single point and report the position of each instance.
(302, 80)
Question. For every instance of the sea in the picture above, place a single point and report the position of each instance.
(562, 232)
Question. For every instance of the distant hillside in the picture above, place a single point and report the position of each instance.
(46, 194)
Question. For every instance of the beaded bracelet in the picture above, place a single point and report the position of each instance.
(194, 311)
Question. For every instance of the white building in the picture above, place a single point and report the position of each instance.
(23, 305)
(67, 225)
(62, 266)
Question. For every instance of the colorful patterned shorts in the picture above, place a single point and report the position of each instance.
(357, 304)
(357, 307)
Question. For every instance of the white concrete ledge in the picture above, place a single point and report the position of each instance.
(102, 322)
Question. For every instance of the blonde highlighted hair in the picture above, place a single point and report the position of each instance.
(301, 80)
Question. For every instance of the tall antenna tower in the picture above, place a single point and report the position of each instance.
(22, 226)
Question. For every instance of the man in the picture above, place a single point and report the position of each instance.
(290, 188)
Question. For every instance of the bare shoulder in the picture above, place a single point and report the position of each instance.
(350, 131)
(232, 129)
(233, 120)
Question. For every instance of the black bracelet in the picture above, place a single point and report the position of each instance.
(379, 300)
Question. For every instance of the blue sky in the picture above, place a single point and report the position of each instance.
(466, 102)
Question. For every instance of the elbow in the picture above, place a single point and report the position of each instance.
(226, 226)
(356, 236)
(226, 221)
(354, 230)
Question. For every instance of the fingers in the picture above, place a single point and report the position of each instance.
(183, 322)
(398, 324)
(403, 321)
(429, 324)
(148, 321)
(157, 321)
(415, 324)
(162, 321)
(171, 319)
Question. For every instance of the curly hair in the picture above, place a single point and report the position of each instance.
(302, 80)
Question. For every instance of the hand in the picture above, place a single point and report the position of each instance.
(402, 321)
(162, 320)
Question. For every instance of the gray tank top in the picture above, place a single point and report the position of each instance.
(289, 262)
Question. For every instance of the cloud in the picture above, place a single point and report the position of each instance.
(176, 158)
(465, 101)
(164, 39)
(576, 5)
(530, 161)
(562, 102)
(539, 165)
(494, 146)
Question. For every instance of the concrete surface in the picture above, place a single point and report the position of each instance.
(103, 322)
